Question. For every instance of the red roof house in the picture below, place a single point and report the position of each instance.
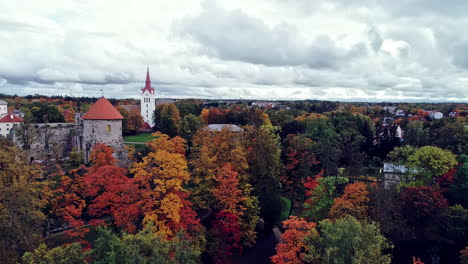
(102, 110)
(11, 118)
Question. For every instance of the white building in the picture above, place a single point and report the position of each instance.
(435, 115)
(3, 108)
(7, 122)
(148, 101)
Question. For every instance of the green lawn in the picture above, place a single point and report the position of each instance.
(143, 137)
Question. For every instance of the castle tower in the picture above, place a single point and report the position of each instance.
(148, 101)
(102, 124)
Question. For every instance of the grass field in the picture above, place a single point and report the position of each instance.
(142, 138)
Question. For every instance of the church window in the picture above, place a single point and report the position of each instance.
(108, 128)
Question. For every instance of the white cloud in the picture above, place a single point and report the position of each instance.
(336, 50)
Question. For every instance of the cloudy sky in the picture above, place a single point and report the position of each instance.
(370, 50)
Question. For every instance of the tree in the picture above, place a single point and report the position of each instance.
(353, 202)
(299, 165)
(431, 162)
(101, 155)
(191, 107)
(211, 151)
(454, 137)
(400, 155)
(26, 134)
(416, 134)
(227, 193)
(423, 207)
(164, 172)
(292, 248)
(458, 191)
(23, 197)
(265, 166)
(135, 121)
(320, 194)
(45, 113)
(124, 113)
(145, 247)
(226, 236)
(167, 118)
(189, 125)
(67, 254)
(116, 195)
(349, 241)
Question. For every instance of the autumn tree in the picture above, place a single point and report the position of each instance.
(135, 121)
(211, 151)
(226, 236)
(354, 202)
(114, 194)
(300, 160)
(101, 155)
(167, 118)
(423, 207)
(124, 113)
(266, 168)
(320, 194)
(23, 197)
(164, 172)
(292, 249)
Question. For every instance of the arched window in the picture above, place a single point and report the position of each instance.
(108, 128)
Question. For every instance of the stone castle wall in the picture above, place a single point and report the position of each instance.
(48, 141)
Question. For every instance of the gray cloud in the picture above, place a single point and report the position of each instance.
(233, 35)
(334, 50)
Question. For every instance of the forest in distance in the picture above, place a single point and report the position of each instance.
(337, 182)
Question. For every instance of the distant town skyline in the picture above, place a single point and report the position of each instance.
(362, 50)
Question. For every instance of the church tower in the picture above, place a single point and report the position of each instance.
(148, 101)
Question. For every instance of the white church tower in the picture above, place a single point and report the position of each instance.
(148, 101)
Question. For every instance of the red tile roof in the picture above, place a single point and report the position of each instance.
(145, 125)
(10, 118)
(102, 109)
(148, 84)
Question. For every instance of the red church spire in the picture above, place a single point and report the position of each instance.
(148, 83)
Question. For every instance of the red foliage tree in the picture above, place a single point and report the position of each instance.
(226, 232)
(115, 195)
(101, 155)
(422, 203)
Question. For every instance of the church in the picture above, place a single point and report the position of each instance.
(148, 102)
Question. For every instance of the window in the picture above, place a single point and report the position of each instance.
(108, 128)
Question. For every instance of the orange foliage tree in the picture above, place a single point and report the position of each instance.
(354, 201)
(292, 249)
(163, 172)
